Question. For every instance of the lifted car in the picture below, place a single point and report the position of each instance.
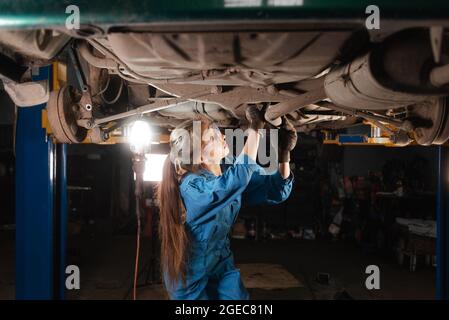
(328, 72)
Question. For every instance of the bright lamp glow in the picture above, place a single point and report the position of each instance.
(139, 136)
(153, 167)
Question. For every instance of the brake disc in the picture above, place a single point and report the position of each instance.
(63, 112)
(432, 115)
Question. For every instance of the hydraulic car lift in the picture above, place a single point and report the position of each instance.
(443, 224)
(41, 205)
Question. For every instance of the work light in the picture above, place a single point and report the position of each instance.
(139, 136)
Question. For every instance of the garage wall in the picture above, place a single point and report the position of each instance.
(6, 109)
(7, 161)
(358, 160)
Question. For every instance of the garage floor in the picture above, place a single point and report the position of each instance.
(106, 265)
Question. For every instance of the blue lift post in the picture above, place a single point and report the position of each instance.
(41, 206)
(443, 224)
(60, 260)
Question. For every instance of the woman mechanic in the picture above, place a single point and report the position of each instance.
(199, 202)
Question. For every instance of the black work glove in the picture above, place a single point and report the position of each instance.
(287, 140)
(255, 118)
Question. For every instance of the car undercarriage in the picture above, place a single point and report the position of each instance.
(321, 76)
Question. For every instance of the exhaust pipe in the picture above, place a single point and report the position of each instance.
(381, 79)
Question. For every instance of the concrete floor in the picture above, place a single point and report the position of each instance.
(344, 262)
(106, 265)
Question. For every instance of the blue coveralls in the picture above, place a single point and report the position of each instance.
(212, 204)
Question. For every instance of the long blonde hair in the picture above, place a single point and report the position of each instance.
(172, 230)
